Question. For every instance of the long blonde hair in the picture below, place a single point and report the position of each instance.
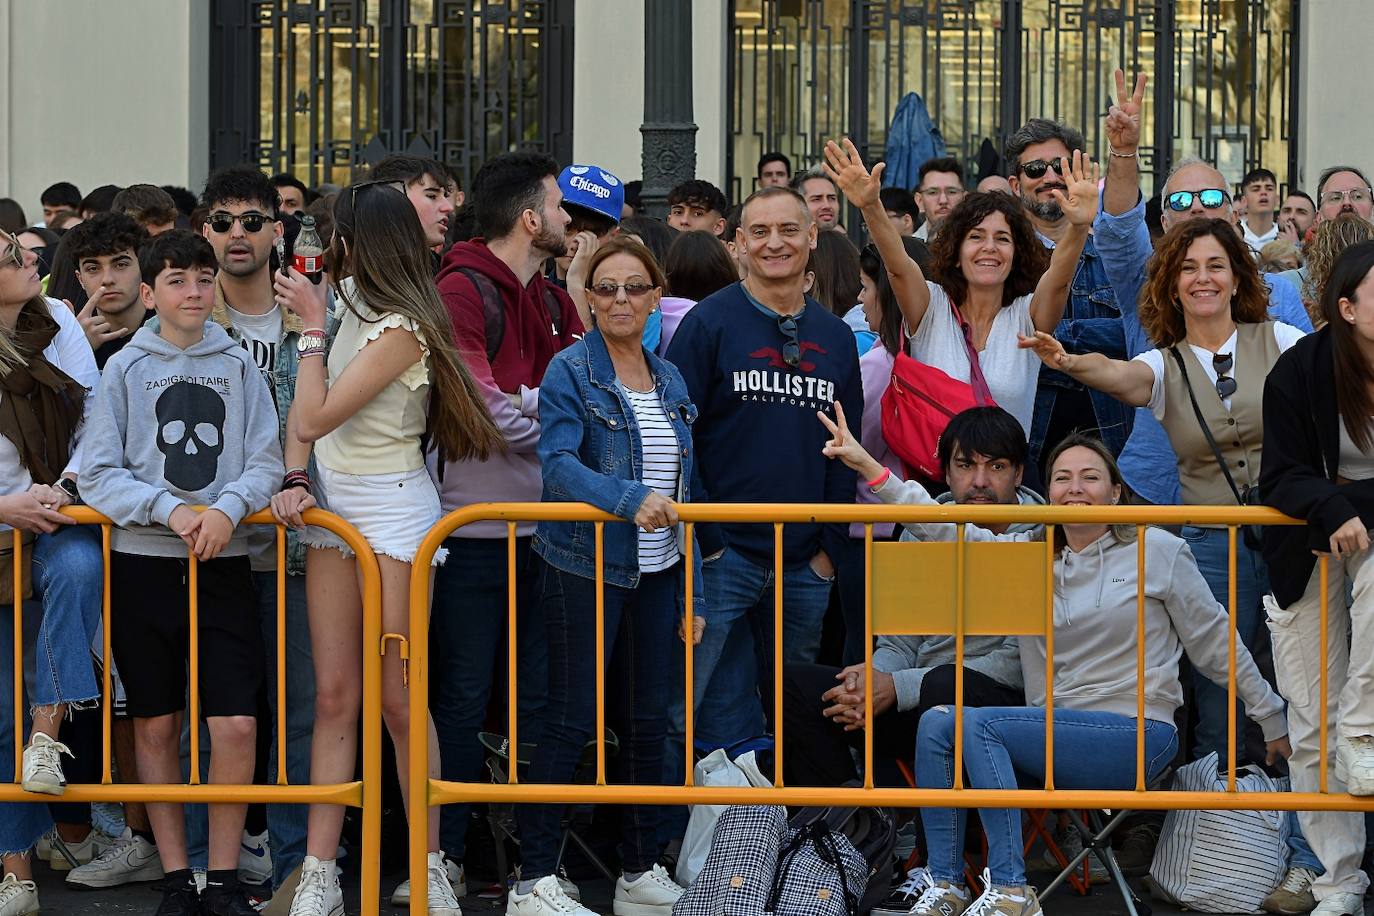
(12, 356)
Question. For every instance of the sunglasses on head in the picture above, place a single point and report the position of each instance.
(1211, 198)
(14, 254)
(1222, 363)
(252, 222)
(1036, 168)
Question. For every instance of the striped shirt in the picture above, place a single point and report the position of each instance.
(662, 466)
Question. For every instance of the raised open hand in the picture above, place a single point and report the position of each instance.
(1079, 200)
(846, 168)
(1050, 350)
(1123, 118)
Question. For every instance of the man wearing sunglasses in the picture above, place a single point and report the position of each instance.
(1092, 321)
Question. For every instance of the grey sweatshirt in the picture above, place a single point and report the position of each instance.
(910, 658)
(175, 427)
(1095, 634)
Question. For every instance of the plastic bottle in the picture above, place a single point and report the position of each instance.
(308, 251)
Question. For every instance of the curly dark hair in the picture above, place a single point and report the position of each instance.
(243, 184)
(1029, 261)
(104, 234)
(1160, 312)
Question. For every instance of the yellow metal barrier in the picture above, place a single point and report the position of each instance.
(364, 793)
(957, 581)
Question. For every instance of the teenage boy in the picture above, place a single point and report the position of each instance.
(697, 204)
(59, 200)
(431, 189)
(183, 419)
(594, 199)
(105, 251)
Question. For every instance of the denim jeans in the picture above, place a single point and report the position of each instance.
(68, 577)
(285, 823)
(21, 823)
(734, 661)
(1092, 750)
(640, 635)
(467, 628)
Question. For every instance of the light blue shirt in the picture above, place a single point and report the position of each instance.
(1148, 463)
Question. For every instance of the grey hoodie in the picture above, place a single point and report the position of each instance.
(910, 658)
(175, 427)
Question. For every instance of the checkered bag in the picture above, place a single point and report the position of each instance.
(819, 873)
(737, 877)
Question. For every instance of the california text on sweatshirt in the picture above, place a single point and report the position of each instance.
(175, 427)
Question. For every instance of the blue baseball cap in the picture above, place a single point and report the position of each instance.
(592, 188)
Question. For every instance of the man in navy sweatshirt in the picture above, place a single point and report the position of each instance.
(759, 359)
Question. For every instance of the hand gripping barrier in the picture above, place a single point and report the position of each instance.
(965, 589)
(365, 793)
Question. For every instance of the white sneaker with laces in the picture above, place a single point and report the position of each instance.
(1004, 901)
(442, 901)
(18, 898)
(1340, 903)
(900, 901)
(92, 845)
(941, 899)
(128, 859)
(653, 893)
(569, 888)
(43, 765)
(318, 893)
(1354, 763)
(546, 898)
(457, 879)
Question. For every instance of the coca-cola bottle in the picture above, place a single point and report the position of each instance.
(308, 251)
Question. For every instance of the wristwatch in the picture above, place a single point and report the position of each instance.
(68, 486)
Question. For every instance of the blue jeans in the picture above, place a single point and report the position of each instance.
(734, 661)
(467, 628)
(1092, 750)
(21, 823)
(68, 577)
(640, 625)
(285, 823)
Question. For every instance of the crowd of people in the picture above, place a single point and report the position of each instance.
(177, 362)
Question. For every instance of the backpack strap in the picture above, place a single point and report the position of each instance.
(493, 309)
(554, 307)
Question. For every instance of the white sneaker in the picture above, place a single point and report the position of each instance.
(255, 859)
(546, 898)
(652, 894)
(442, 901)
(126, 860)
(457, 879)
(1340, 903)
(941, 899)
(17, 897)
(42, 850)
(1354, 763)
(84, 851)
(1004, 901)
(904, 896)
(43, 765)
(569, 888)
(318, 893)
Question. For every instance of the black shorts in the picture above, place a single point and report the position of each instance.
(150, 634)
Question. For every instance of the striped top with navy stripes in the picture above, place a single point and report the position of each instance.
(658, 550)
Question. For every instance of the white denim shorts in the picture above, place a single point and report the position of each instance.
(393, 512)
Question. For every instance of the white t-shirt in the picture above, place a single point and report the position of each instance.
(1285, 335)
(1256, 242)
(260, 336)
(662, 468)
(1011, 372)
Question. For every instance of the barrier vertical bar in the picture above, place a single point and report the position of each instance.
(17, 571)
(1140, 658)
(106, 685)
(688, 628)
(868, 655)
(1323, 562)
(512, 693)
(418, 737)
(600, 654)
(372, 721)
(1049, 658)
(281, 655)
(777, 654)
(1231, 658)
(959, 558)
(193, 593)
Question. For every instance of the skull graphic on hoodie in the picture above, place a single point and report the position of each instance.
(190, 434)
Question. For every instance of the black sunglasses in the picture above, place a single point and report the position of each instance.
(251, 222)
(1222, 363)
(353, 191)
(1036, 168)
(791, 349)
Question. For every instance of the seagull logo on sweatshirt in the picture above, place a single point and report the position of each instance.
(775, 360)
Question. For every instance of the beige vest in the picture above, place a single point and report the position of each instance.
(1239, 432)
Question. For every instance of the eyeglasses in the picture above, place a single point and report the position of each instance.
(791, 349)
(608, 290)
(252, 221)
(14, 254)
(1036, 168)
(1354, 195)
(1222, 363)
(1211, 198)
(936, 193)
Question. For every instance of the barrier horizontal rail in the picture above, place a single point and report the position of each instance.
(364, 793)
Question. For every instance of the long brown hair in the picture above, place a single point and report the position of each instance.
(1028, 263)
(1354, 375)
(390, 266)
(1161, 314)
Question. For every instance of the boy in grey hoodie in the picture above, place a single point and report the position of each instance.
(183, 418)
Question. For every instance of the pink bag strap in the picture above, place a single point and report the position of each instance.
(981, 393)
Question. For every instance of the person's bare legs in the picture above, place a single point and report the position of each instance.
(232, 756)
(157, 746)
(21, 866)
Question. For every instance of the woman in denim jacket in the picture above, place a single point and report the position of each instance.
(616, 433)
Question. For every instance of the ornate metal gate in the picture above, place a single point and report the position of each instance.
(318, 87)
(1223, 75)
